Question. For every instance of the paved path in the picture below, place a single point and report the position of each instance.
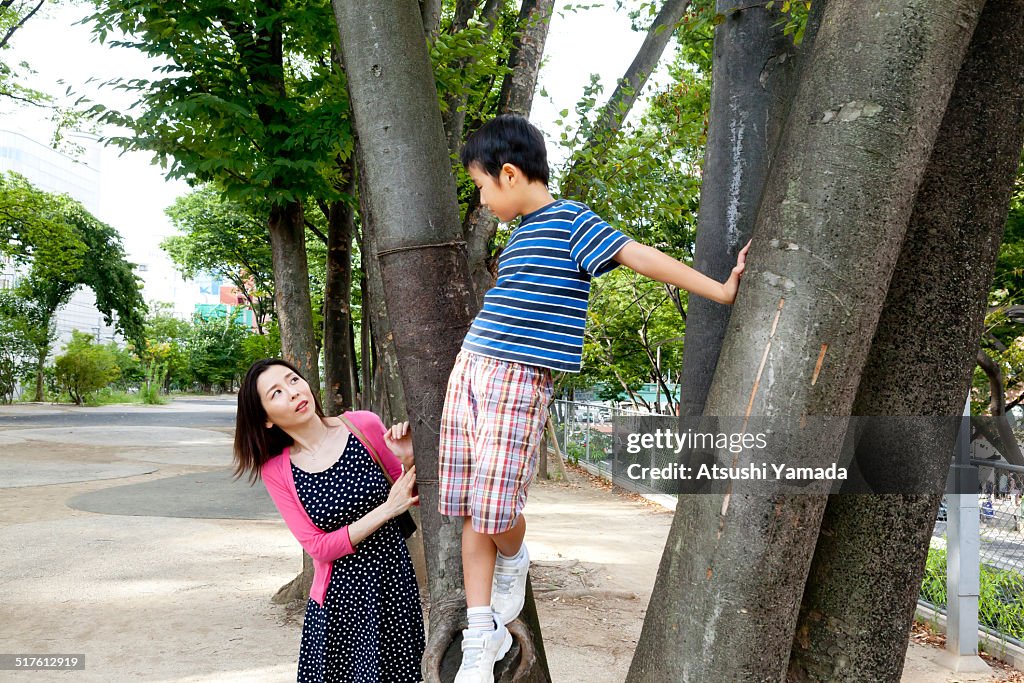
(124, 537)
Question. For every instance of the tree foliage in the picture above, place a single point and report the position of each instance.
(85, 367)
(60, 247)
(249, 97)
(220, 350)
(226, 239)
(17, 352)
(64, 247)
(1004, 337)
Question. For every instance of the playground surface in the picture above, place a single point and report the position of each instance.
(123, 538)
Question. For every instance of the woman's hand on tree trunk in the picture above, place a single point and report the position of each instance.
(399, 441)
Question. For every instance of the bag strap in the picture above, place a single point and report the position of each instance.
(369, 446)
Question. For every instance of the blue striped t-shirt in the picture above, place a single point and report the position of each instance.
(537, 309)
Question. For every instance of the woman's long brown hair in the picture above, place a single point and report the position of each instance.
(255, 444)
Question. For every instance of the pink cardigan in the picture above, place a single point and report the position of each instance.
(322, 546)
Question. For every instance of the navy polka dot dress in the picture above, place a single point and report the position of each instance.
(370, 628)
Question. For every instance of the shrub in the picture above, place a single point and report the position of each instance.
(1000, 601)
(85, 367)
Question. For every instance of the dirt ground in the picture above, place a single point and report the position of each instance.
(186, 599)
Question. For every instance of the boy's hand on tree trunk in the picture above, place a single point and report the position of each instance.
(732, 285)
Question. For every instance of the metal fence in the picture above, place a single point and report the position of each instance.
(1000, 543)
(585, 437)
(584, 433)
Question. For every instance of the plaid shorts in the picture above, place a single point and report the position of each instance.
(491, 428)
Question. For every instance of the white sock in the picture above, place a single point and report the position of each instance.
(511, 559)
(480, 618)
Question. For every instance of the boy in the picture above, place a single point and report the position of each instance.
(531, 323)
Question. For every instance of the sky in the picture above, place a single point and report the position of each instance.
(134, 192)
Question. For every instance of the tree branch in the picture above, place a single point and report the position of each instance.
(315, 230)
(11, 30)
(629, 87)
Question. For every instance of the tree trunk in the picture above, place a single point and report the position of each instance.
(430, 13)
(865, 578)
(516, 98)
(524, 59)
(996, 429)
(40, 373)
(298, 588)
(454, 118)
(406, 183)
(291, 290)
(295, 318)
(832, 218)
(753, 78)
(383, 385)
(339, 392)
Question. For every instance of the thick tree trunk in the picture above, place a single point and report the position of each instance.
(295, 317)
(339, 391)
(382, 384)
(406, 183)
(291, 290)
(753, 78)
(832, 218)
(865, 578)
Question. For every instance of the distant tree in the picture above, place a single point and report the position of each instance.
(214, 351)
(16, 353)
(62, 248)
(85, 367)
(226, 239)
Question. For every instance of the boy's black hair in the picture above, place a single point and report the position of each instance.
(508, 139)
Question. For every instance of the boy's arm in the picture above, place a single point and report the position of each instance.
(659, 266)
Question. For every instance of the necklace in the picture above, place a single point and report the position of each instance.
(312, 453)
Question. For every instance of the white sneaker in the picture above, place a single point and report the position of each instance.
(508, 590)
(480, 651)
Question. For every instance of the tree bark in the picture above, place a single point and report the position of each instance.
(40, 373)
(383, 385)
(339, 392)
(524, 59)
(627, 91)
(865, 578)
(516, 97)
(753, 79)
(430, 12)
(454, 118)
(291, 290)
(406, 183)
(828, 233)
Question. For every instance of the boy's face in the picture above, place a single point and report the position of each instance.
(500, 194)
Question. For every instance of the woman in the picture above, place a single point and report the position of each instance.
(363, 621)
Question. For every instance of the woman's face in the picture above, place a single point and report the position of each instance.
(286, 398)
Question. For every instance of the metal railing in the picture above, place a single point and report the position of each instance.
(585, 437)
